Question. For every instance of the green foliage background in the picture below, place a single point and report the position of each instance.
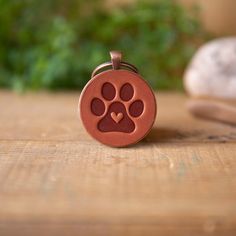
(55, 44)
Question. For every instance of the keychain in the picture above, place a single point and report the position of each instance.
(117, 107)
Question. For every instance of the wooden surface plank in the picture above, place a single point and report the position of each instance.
(56, 180)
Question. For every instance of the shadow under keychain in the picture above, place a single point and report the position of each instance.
(117, 107)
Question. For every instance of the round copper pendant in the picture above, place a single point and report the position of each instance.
(117, 107)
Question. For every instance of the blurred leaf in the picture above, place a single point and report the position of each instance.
(55, 44)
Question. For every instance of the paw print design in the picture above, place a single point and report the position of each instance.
(114, 115)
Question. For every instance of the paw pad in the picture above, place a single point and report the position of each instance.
(115, 116)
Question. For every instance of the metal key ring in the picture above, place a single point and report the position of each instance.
(107, 65)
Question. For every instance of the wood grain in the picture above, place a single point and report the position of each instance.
(56, 180)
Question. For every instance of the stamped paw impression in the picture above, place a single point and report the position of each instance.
(116, 118)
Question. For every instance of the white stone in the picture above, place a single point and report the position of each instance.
(212, 71)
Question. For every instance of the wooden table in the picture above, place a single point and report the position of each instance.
(56, 180)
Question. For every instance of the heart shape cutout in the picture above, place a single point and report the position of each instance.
(117, 117)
